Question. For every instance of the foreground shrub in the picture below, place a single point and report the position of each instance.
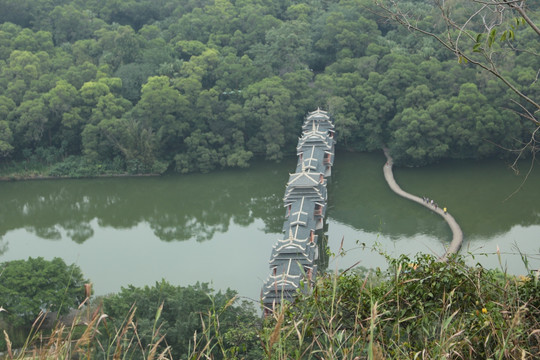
(419, 308)
(227, 327)
(29, 287)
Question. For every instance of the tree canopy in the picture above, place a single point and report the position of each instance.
(145, 86)
(490, 35)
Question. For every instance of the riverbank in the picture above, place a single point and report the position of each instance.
(457, 234)
(70, 168)
(48, 177)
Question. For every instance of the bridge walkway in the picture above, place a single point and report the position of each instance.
(457, 234)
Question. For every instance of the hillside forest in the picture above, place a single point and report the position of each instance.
(149, 86)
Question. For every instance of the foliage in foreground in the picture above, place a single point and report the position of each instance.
(181, 313)
(29, 286)
(139, 323)
(417, 309)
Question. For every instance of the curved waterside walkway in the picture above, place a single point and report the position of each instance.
(457, 237)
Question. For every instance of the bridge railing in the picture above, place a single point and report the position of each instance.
(294, 256)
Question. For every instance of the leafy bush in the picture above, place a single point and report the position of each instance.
(28, 287)
(180, 312)
(74, 166)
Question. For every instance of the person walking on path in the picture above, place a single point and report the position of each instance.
(457, 234)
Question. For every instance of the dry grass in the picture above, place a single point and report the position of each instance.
(81, 339)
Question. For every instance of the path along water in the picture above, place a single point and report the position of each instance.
(457, 237)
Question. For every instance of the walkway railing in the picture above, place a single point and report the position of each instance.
(457, 234)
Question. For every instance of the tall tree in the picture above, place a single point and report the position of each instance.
(162, 111)
(268, 112)
(6, 139)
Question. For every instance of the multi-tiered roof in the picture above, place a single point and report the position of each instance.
(293, 258)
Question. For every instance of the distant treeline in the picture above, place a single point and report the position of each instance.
(145, 86)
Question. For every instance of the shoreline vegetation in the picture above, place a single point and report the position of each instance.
(70, 168)
(75, 167)
(47, 177)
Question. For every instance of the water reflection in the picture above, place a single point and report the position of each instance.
(360, 197)
(179, 208)
(4, 246)
(479, 195)
(156, 228)
(475, 193)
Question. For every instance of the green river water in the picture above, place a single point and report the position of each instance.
(220, 227)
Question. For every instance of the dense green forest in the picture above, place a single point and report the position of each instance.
(140, 86)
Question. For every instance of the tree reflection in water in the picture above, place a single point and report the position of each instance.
(198, 206)
(177, 208)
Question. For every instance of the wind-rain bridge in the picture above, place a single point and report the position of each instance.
(293, 258)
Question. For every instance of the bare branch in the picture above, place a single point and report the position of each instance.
(514, 167)
(521, 11)
(402, 18)
(462, 29)
(526, 114)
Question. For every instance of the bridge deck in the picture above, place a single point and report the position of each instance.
(293, 262)
(457, 237)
